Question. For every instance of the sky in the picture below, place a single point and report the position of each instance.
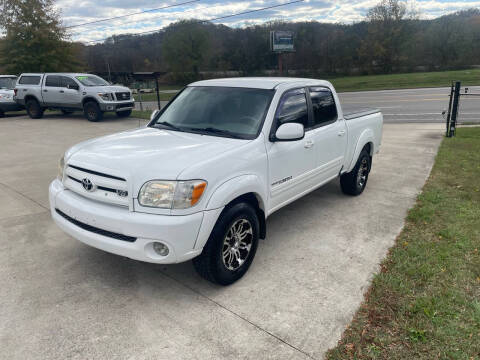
(75, 12)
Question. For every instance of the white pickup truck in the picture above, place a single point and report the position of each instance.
(199, 181)
(71, 92)
(7, 102)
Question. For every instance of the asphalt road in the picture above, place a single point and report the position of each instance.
(415, 105)
(61, 299)
(404, 106)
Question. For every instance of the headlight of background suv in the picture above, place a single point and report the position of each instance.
(106, 96)
(61, 166)
(171, 194)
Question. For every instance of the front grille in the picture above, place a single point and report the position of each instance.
(122, 96)
(95, 229)
(97, 173)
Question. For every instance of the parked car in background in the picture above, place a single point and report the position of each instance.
(7, 101)
(199, 181)
(72, 92)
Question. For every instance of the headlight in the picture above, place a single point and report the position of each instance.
(106, 96)
(171, 194)
(61, 166)
(5, 96)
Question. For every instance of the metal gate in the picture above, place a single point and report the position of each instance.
(454, 106)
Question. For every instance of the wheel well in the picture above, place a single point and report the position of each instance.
(369, 148)
(30, 97)
(89, 99)
(253, 200)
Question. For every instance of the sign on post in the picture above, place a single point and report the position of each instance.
(282, 41)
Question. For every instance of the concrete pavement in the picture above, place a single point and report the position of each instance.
(61, 299)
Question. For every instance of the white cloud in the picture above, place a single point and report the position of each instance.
(80, 11)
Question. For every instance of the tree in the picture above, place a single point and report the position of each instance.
(35, 40)
(385, 36)
(185, 47)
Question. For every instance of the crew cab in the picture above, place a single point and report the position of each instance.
(200, 180)
(7, 102)
(70, 92)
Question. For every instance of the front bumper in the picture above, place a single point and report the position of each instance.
(117, 106)
(179, 233)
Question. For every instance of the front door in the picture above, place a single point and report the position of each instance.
(72, 96)
(290, 163)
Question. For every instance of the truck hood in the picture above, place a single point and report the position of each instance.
(148, 153)
(105, 89)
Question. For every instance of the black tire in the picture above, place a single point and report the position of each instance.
(2, 114)
(354, 182)
(34, 110)
(124, 114)
(210, 264)
(66, 112)
(92, 111)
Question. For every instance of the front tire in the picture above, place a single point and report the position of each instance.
(2, 114)
(34, 110)
(354, 182)
(92, 111)
(124, 114)
(231, 247)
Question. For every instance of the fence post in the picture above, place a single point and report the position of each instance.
(455, 105)
(449, 114)
(453, 114)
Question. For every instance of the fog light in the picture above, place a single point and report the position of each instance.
(160, 249)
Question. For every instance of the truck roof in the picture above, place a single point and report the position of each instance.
(259, 82)
(56, 73)
(8, 76)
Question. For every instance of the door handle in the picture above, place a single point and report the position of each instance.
(308, 144)
(45, 90)
(341, 133)
(62, 91)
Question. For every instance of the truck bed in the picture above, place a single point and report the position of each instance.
(353, 112)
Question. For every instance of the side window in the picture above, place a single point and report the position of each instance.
(53, 81)
(323, 104)
(29, 80)
(68, 81)
(293, 108)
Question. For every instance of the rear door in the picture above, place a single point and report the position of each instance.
(53, 91)
(72, 97)
(290, 162)
(330, 133)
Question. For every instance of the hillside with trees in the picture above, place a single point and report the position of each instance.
(390, 40)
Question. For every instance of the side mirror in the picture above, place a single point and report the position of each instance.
(290, 132)
(73, 87)
(154, 114)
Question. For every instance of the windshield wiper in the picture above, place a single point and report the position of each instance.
(167, 124)
(218, 131)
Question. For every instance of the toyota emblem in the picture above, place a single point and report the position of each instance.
(88, 185)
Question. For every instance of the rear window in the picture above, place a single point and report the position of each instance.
(29, 80)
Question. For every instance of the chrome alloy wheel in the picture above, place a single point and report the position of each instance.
(362, 173)
(237, 244)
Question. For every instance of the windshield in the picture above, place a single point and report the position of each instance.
(218, 111)
(8, 82)
(92, 80)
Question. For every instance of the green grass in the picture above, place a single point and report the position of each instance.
(141, 114)
(153, 97)
(404, 81)
(425, 302)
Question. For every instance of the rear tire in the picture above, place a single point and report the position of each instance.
(124, 114)
(2, 114)
(34, 110)
(92, 111)
(354, 182)
(231, 247)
